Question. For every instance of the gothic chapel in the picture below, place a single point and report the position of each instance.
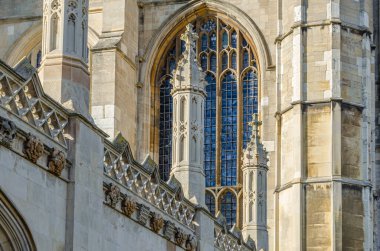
(198, 125)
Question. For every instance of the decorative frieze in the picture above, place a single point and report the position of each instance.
(172, 231)
(57, 162)
(33, 148)
(144, 181)
(8, 131)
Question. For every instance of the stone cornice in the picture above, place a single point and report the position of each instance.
(318, 180)
(359, 29)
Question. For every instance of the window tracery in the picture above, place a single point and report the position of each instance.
(232, 91)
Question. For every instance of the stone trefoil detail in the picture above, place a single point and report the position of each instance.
(254, 190)
(188, 106)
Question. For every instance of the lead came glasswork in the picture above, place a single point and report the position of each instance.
(227, 58)
(210, 131)
(210, 202)
(165, 159)
(249, 103)
(229, 130)
(228, 208)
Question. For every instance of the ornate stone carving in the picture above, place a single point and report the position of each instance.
(113, 195)
(169, 230)
(57, 161)
(191, 243)
(7, 132)
(156, 222)
(179, 236)
(143, 215)
(33, 148)
(128, 206)
(55, 4)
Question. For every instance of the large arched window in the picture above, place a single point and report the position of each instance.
(227, 57)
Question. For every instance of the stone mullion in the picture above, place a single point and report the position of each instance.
(240, 127)
(218, 109)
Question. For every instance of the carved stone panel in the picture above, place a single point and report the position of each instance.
(169, 230)
(7, 132)
(156, 222)
(33, 148)
(179, 236)
(128, 206)
(143, 214)
(57, 161)
(113, 195)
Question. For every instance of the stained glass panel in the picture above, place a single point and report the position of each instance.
(228, 208)
(210, 202)
(210, 131)
(165, 150)
(229, 130)
(249, 103)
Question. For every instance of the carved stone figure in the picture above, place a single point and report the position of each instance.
(57, 161)
(33, 148)
(113, 195)
(7, 132)
(128, 206)
(179, 236)
(191, 242)
(156, 222)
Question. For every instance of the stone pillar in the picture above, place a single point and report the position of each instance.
(64, 74)
(113, 72)
(255, 189)
(326, 126)
(188, 107)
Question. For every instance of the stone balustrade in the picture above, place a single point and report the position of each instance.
(22, 95)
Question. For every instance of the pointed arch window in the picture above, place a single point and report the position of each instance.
(227, 58)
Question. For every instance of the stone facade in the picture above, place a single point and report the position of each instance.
(318, 76)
